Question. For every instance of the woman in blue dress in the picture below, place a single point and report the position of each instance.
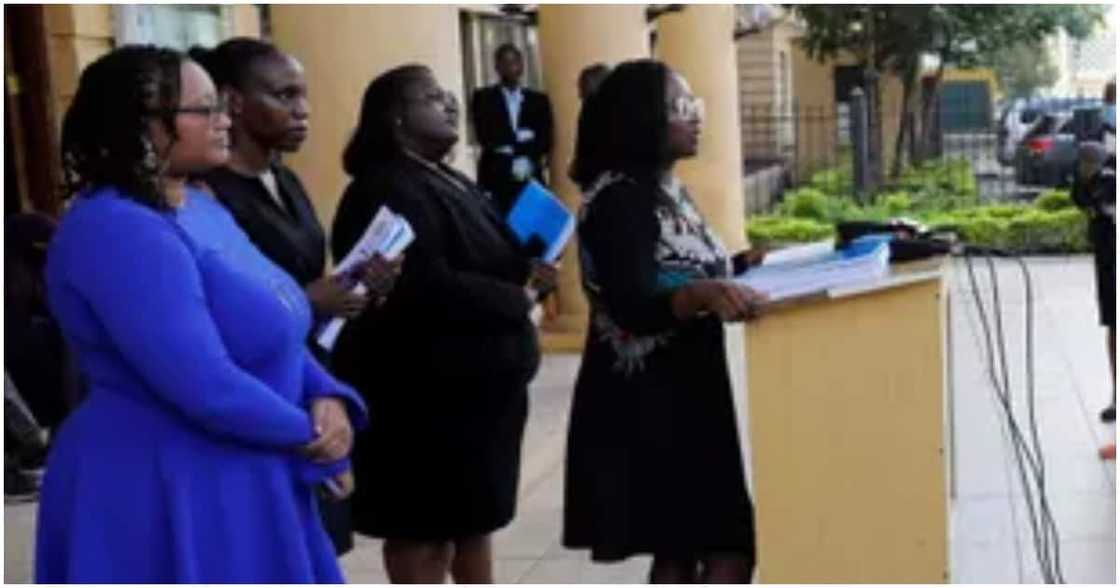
(195, 456)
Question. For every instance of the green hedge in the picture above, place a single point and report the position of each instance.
(1022, 229)
(1053, 224)
(1054, 200)
(777, 231)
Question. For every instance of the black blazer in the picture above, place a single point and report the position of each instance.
(490, 118)
(458, 316)
(293, 239)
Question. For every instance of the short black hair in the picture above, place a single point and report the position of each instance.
(507, 48)
(231, 63)
(623, 125)
(105, 135)
(375, 138)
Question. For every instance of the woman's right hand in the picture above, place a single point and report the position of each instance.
(543, 275)
(727, 299)
(331, 296)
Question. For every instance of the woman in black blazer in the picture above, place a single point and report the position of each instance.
(446, 362)
(270, 115)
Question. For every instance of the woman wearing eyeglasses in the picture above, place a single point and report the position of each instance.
(654, 464)
(445, 364)
(195, 455)
(270, 114)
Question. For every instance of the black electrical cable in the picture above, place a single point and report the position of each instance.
(1001, 390)
(1044, 528)
(1042, 515)
(1051, 524)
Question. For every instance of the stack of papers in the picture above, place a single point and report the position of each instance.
(820, 267)
(539, 215)
(388, 234)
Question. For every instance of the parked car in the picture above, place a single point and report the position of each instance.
(1047, 154)
(1016, 120)
(1020, 115)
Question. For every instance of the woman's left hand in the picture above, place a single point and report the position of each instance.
(543, 276)
(380, 276)
(752, 257)
(332, 425)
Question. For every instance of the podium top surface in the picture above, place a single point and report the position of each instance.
(901, 274)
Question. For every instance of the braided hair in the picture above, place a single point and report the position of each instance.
(105, 133)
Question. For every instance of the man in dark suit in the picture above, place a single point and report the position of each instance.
(514, 127)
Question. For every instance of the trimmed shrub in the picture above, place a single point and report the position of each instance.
(808, 203)
(776, 231)
(1054, 200)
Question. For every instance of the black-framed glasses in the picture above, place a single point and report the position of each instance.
(213, 111)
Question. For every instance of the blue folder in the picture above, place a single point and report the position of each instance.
(538, 216)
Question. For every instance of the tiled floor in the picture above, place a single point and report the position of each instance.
(991, 538)
(990, 533)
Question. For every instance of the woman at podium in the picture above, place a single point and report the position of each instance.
(654, 464)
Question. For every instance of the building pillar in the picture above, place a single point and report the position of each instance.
(342, 49)
(571, 38)
(698, 43)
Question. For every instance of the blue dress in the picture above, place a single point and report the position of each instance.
(182, 464)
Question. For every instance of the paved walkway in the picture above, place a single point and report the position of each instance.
(990, 536)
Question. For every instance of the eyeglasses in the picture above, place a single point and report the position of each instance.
(687, 108)
(437, 96)
(213, 111)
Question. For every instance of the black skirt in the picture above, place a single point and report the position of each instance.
(441, 469)
(654, 464)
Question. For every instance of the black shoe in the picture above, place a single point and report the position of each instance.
(1108, 415)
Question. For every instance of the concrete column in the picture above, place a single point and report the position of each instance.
(342, 49)
(571, 38)
(697, 42)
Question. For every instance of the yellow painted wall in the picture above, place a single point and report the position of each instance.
(342, 49)
(76, 36)
(245, 21)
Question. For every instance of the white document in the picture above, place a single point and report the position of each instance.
(819, 269)
(388, 234)
(797, 253)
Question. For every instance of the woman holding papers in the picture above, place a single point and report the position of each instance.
(269, 111)
(446, 362)
(654, 464)
(207, 425)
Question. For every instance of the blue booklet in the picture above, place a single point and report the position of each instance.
(539, 217)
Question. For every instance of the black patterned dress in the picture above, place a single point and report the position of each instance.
(654, 464)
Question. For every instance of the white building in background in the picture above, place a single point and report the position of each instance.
(1086, 66)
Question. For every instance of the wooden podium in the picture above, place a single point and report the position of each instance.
(847, 416)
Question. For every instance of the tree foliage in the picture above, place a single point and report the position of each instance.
(894, 39)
